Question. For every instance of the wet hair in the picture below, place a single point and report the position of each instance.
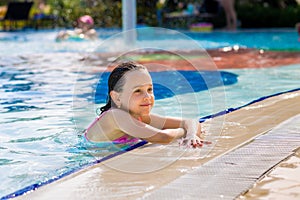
(116, 81)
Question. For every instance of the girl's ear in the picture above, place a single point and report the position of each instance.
(115, 96)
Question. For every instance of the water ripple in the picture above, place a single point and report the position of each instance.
(31, 139)
(9, 162)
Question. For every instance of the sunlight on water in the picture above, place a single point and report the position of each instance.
(30, 41)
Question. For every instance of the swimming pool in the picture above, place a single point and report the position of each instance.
(41, 120)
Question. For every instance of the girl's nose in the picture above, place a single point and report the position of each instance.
(147, 95)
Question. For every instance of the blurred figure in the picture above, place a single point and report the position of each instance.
(298, 30)
(83, 30)
(42, 14)
(42, 10)
(159, 11)
(231, 19)
(3, 10)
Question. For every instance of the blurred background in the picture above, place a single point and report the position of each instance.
(163, 13)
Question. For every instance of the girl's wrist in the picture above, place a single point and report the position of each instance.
(190, 127)
(181, 133)
(184, 133)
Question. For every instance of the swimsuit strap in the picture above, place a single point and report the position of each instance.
(94, 122)
(125, 139)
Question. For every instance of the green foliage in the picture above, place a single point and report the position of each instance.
(106, 13)
(146, 12)
(258, 16)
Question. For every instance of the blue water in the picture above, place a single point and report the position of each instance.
(47, 95)
(264, 39)
(30, 41)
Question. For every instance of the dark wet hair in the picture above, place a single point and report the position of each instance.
(116, 81)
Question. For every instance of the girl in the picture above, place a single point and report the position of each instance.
(126, 116)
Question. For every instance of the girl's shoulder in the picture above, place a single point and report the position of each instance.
(104, 127)
(116, 113)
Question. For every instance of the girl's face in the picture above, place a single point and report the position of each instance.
(137, 95)
(84, 26)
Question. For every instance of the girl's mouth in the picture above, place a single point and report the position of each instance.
(147, 104)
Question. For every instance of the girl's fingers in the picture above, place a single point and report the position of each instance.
(198, 143)
(206, 142)
(194, 142)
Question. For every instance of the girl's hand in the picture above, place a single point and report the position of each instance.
(193, 135)
(194, 142)
(191, 142)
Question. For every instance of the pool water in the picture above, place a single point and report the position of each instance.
(30, 41)
(47, 98)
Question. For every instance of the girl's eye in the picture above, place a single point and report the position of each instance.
(138, 90)
(150, 89)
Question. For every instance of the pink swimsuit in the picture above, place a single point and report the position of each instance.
(121, 140)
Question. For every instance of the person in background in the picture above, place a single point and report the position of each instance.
(83, 30)
(159, 11)
(42, 10)
(231, 18)
(298, 30)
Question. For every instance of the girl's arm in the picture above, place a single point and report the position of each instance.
(131, 126)
(192, 127)
(171, 122)
(166, 136)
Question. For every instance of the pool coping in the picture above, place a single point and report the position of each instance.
(244, 165)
